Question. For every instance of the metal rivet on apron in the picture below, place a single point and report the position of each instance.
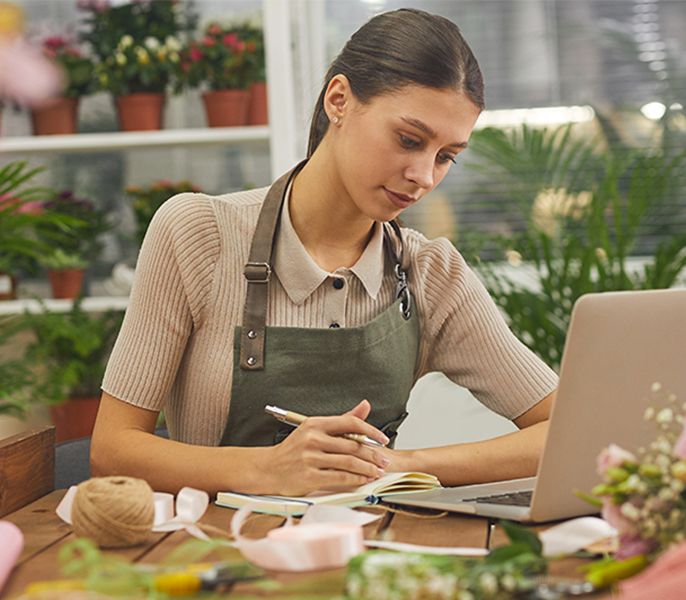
(252, 334)
(251, 360)
(334, 325)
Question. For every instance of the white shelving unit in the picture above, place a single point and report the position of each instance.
(90, 304)
(131, 140)
(281, 135)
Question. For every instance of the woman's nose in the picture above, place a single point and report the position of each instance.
(421, 172)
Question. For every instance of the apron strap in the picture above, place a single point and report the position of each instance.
(258, 271)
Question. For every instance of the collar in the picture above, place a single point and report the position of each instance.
(300, 276)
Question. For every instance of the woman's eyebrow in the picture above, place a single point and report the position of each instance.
(428, 130)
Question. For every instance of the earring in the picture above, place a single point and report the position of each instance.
(335, 120)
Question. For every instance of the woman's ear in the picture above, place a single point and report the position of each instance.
(337, 98)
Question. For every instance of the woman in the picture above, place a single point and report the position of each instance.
(322, 305)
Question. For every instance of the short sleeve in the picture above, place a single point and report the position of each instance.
(470, 342)
(172, 284)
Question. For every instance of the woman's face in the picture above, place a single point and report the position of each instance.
(396, 148)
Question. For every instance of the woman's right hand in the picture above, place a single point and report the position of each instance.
(315, 457)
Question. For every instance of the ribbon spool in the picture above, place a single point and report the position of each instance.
(115, 512)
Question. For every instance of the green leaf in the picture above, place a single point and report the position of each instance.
(507, 553)
(588, 498)
(519, 534)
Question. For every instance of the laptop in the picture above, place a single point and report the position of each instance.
(618, 345)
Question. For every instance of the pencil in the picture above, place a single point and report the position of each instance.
(293, 418)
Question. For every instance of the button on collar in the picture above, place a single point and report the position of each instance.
(338, 283)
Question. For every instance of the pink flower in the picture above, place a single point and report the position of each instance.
(214, 29)
(680, 446)
(613, 456)
(633, 545)
(27, 76)
(612, 513)
(93, 5)
(31, 208)
(208, 41)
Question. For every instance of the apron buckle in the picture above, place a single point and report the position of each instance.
(403, 293)
(257, 272)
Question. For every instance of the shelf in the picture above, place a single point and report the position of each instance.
(90, 304)
(133, 139)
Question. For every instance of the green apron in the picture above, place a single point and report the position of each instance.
(316, 371)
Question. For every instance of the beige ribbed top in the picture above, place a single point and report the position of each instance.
(175, 348)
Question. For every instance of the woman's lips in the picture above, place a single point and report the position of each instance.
(398, 200)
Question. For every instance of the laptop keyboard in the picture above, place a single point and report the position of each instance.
(512, 499)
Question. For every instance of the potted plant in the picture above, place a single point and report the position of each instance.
(65, 273)
(147, 199)
(67, 259)
(582, 213)
(15, 375)
(258, 113)
(137, 46)
(21, 213)
(220, 63)
(67, 357)
(59, 115)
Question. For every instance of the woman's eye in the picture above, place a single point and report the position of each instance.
(408, 142)
(444, 158)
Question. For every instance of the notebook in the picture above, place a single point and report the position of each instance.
(618, 345)
(401, 483)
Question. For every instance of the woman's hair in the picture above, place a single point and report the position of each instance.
(399, 48)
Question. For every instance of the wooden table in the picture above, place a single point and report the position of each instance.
(45, 534)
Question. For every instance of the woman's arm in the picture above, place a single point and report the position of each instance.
(506, 457)
(313, 457)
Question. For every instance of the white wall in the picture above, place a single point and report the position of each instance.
(441, 413)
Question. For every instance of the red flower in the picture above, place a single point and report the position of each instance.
(231, 40)
(54, 42)
(208, 41)
(213, 29)
(195, 53)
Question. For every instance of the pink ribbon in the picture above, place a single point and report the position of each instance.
(326, 538)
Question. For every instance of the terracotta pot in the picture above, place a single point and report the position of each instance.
(140, 112)
(65, 283)
(226, 108)
(8, 286)
(74, 418)
(57, 117)
(258, 113)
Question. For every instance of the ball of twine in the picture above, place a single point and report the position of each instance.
(115, 512)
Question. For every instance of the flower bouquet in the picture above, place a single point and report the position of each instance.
(643, 495)
(223, 63)
(147, 199)
(59, 115)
